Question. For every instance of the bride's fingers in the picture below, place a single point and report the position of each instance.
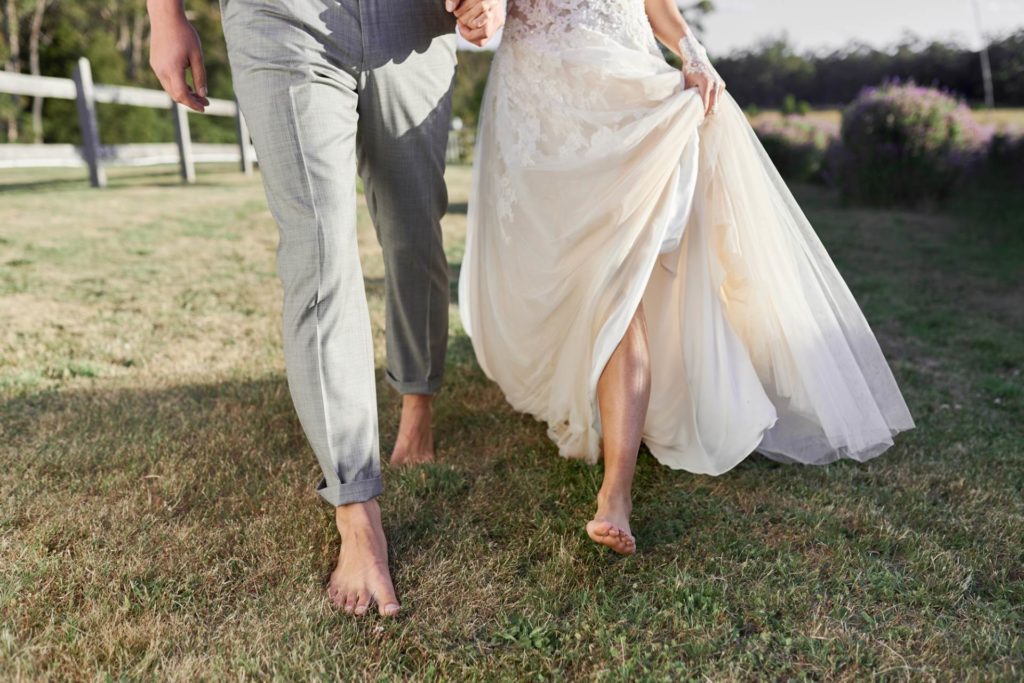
(716, 97)
(705, 96)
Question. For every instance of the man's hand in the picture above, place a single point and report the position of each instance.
(479, 20)
(175, 48)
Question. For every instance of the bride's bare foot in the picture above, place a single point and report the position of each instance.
(415, 442)
(362, 577)
(610, 525)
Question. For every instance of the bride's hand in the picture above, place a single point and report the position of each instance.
(698, 73)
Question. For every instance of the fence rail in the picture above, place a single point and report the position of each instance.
(54, 155)
(96, 156)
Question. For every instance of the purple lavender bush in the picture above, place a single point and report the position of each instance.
(904, 144)
(797, 146)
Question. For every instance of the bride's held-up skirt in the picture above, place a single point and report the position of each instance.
(599, 184)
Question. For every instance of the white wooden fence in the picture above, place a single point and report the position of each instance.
(96, 156)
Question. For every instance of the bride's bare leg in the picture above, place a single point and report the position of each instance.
(623, 392)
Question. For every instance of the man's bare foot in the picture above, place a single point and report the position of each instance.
(415, 442)
(610, 525)
(362, 577)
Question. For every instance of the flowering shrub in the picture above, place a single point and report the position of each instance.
(797, 146)
(903, 143)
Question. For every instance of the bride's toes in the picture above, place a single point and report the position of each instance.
(606, 533)
(598, 530)
(628, 544)
(624, 544)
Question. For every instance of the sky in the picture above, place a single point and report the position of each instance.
(817, 24)
(812, 24)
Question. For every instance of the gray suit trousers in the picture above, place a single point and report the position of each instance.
(329, 88)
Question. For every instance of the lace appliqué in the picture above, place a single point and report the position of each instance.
(527, 82)
(695, 58)
(625, 20)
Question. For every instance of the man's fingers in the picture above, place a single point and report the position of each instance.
(464, 6)
(452, 5)
(477, 36)
(473, 15)
(195, 62)
(165, 84)
(178, 90)
(471, 33)
(469, 12)
(479, 42)
(189, 100)
(174, 83)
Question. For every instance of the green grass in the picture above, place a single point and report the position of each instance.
(157, 518)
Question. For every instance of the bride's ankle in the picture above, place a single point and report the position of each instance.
(614, 501)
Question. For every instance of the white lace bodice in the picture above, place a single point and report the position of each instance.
(561, 73)
(625, 21)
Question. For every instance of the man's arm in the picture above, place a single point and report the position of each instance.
(174, 48)
(479, 20)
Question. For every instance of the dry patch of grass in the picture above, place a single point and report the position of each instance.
(1003, 118)
(157, 518)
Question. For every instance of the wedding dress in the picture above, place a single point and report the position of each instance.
(600, 184)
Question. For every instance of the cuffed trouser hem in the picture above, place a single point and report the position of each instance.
(431, 386)
(352, 492)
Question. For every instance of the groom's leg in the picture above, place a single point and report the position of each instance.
(405, 115)
(300, 101)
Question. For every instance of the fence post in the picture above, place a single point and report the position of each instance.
(243, 141)
(85, 98)
(184, 139)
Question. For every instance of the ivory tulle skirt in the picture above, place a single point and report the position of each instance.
(599, 184)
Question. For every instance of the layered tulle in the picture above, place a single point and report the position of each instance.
(599, 184)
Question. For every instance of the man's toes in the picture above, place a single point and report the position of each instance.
(387, 601)
(350, 603)
(598, 529)
(362, 603)
(336, 597)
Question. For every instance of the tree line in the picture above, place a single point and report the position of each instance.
(766, 74)
(48, 36)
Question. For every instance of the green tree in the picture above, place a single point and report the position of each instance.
(50, 36)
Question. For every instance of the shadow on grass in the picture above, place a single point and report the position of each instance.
(220, 451)
(223, 451)
(119, 178)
